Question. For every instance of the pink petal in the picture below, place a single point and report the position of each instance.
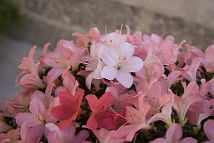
(209, 58)
(109, 72)
(124, 78)
(126, 50)
(92, 101)
(37, 106)
(44, 52)
(68, 133)
(92, 122)
(27, 118)
(34, 134)
(69, 82)
(209, 129)
(172, 77)
(28, 62)
(132, 115)
(134, 64)
(109, 56)
(174, 133)
(188, 140)
(4, 127)
(53, 133)
(94, 33)
(159, 140)
(89, 79)
(81, 136)
(23, 131)
(53, 74)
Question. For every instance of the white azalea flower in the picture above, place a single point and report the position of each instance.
(120, 63)
(94, 64)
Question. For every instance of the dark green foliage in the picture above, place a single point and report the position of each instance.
(190, 130)
(177, 88)
(44, 71)
(82, 85)
(43, 139)
(10, 14)
(206, 75)
(157, 131)
(11, 122)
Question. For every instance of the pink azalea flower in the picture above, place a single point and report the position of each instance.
(54, 134)
(31, 134)
(113, 39)
(208, 130)
(211, 86)
(113, 136)
(173, 135)
(198, 111)
(188, 54)
(119, 63)
(152, 69)
(32, 79)
(3, 126)
(10, 137)
(28, 62)
(94, 64)
(164, 116)
(209, 59)
(32, 123)
(65, 57)
(136, 39)
(101, 117)
(183, 103)
(166, 50)
(83, 39)
(156, 98)
(70, 84)
(136, 118)
(18, 104)
(44, 52)
(189, 71)
(37, 111)
(69, 107)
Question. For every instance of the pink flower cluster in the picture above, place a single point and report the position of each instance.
(113, 88)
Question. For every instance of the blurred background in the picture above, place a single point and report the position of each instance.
(24, 23)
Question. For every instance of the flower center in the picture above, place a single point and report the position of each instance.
(120, 62)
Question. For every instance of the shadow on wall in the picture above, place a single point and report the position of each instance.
(10, 15)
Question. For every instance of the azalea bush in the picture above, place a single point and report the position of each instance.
(113, 88)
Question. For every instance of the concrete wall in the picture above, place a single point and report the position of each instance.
(49, 20)
(193, 11)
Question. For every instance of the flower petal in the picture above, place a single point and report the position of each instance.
(109, 56)
(174, 132)
(34, 134)
(159, 140)
(188, 140)
(134, 64)
(208, 129)
(27, 118)
(53, 133)
(124, 78)
(89, 79)
(126, 50)
(109, 72)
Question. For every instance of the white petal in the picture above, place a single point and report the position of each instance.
(134, 64)
(109, 56)
(89, 79)
(126, 50)
(124, 78)
(109, 72)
